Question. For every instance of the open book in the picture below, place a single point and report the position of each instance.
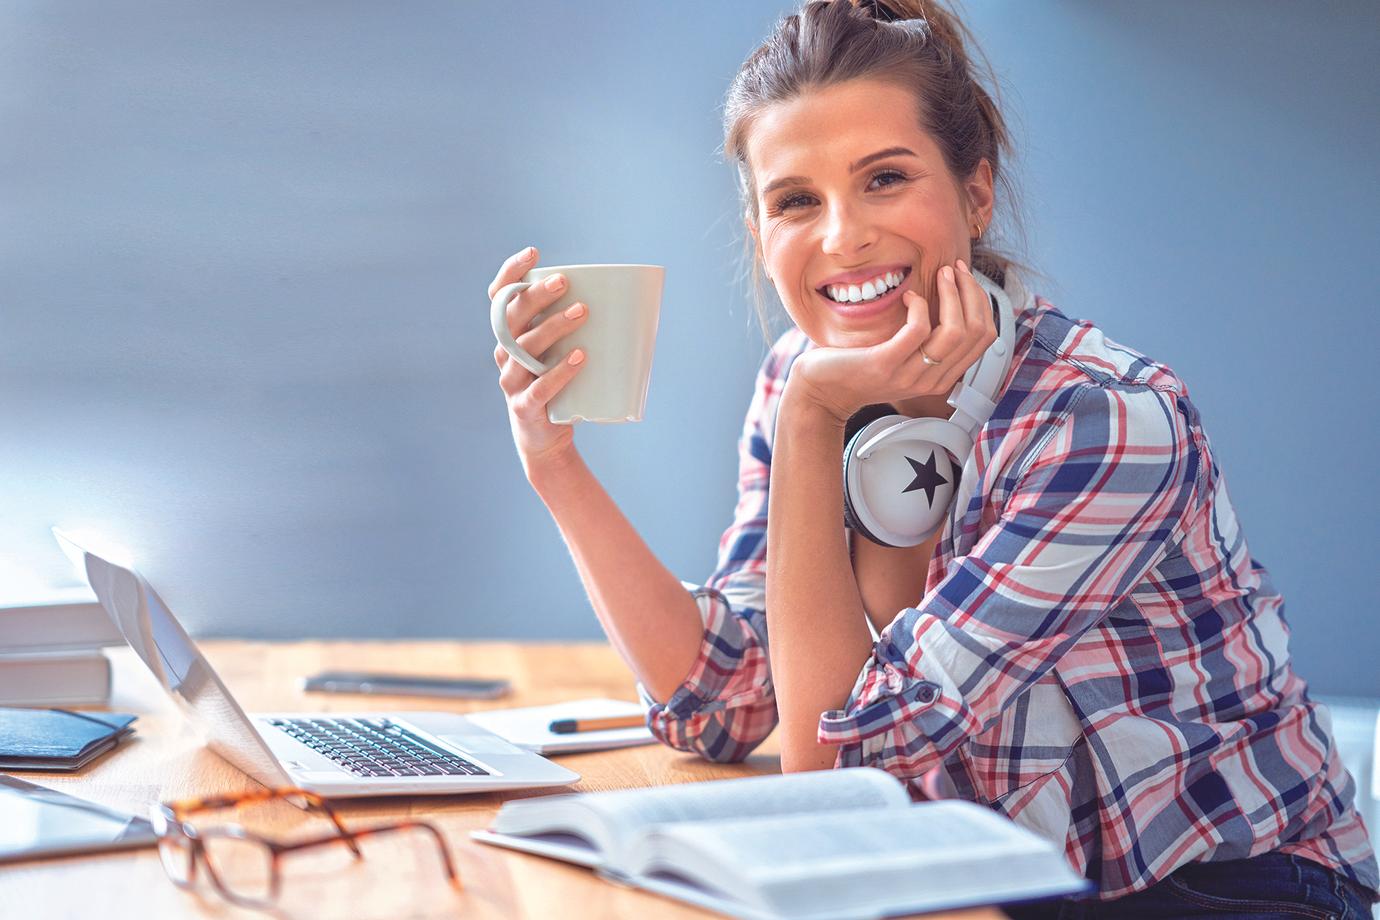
(816, 846)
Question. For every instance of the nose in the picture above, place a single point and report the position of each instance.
(847, 231)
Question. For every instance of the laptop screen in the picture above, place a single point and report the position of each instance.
(160, 641)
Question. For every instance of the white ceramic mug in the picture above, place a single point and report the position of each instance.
(617, 336)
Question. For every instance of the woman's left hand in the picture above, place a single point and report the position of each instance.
(843, 380)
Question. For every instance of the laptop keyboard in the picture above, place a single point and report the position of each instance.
(377, 747)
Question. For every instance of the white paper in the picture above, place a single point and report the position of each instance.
(754, 798)
(856, 864)
(528, 727)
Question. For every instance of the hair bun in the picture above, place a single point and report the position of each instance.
(880, 11)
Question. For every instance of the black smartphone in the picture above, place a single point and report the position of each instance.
(474, 688)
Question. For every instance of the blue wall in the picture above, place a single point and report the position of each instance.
(244, 253)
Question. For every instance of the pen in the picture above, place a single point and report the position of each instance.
(567, 726)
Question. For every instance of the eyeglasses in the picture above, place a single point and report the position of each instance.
(244, 867)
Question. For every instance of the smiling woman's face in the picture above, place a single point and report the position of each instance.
(851, 189)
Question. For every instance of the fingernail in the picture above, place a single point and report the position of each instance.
(948, 273)
(575, 311)
(554, 283)
(528, 253)
(576, 357)
(963, 267)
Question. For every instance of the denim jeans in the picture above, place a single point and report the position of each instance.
(1264, 887)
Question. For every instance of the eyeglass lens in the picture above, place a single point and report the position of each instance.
(242, 865)
(175, 851)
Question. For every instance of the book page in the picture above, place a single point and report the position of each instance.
(558, 819)
(753, 796)
(800, 844)
(933, 853)
(608, 819)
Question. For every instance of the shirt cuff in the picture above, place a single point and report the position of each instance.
(726, 703)
(897, 715)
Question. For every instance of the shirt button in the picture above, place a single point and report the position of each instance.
(926, 693)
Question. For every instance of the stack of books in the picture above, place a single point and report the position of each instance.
(50, 651)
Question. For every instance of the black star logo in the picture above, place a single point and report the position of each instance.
(926, 477)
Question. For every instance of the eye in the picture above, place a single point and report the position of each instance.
(889, 174)
(800, 199)
(790, 201)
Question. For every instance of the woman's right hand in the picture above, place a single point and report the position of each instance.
(538, 441)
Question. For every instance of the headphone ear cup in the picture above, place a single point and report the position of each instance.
(851, 518)
(900, 478)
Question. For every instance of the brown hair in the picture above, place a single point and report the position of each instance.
(914, 44)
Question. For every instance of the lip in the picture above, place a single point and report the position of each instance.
(868, 308)
(858, 277)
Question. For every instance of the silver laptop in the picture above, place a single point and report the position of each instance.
(338, 754)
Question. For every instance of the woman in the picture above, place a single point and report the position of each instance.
(1086, 645)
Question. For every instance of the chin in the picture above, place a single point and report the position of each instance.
(835, 335)
(827, 329)
(855, 339)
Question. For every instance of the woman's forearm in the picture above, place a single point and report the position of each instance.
(890, 578)
(819, 637)
(650, 618)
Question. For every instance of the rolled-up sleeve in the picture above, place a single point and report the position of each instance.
(726, 706)
(1097, 501)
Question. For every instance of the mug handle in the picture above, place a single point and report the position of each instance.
(498, 314)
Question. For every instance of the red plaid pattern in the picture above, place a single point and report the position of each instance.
(1096, 655)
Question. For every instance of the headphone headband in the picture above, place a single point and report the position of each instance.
(975, 400)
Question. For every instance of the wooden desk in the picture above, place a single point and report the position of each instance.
(165, 761)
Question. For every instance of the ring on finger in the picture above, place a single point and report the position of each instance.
(927, 359)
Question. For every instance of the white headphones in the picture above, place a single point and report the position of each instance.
(900, 473)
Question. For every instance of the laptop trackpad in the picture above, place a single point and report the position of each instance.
(481, 744)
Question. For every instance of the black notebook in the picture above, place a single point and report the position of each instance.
(56, 739)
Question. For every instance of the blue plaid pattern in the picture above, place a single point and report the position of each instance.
(1096, 654)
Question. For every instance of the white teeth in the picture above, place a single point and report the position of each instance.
(870, 290)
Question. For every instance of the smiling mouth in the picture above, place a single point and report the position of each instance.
(846, 295)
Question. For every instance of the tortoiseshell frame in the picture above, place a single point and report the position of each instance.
(168, 822)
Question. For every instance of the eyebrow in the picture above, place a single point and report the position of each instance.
(852, 168)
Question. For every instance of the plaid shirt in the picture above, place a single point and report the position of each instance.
(1097, 656)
